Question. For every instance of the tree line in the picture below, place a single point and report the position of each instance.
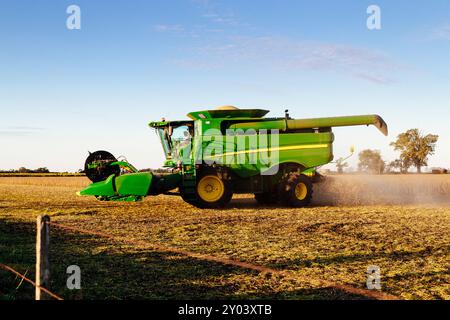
(26, 170)
(413, 146)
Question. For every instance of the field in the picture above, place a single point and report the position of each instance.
(48, 174)
(399, 223)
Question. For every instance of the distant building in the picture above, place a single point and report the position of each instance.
(439, 171)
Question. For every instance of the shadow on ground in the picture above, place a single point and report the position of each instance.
(113, 271)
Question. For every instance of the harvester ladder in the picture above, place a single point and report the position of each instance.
(189, 185)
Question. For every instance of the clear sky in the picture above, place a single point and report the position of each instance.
(64, 92)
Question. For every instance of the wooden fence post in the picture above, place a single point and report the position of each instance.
(42, 261)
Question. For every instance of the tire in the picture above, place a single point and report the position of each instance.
(212, 191)
(267, 198)
(296, 190)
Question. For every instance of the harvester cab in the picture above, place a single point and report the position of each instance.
(221, 152)
(174, 136)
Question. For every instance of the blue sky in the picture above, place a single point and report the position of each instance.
(64, 92)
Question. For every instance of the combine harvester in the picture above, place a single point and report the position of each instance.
(225, 151)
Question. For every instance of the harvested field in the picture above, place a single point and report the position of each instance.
(399, 223)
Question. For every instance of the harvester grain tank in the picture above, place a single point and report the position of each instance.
(217, 153)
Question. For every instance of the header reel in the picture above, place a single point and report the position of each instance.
(100, 165)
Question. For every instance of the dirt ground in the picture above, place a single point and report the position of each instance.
(399, 223)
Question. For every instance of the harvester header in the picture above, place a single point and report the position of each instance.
(217, 153)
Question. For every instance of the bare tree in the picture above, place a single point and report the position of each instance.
(341, 164)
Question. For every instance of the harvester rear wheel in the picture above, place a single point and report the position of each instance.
(296, 190)
(212, 191)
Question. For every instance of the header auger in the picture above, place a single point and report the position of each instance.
(224, 151)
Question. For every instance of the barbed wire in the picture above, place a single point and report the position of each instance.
(287, 274)
(17, 273)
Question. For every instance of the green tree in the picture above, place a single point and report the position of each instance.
(415, 148)
(371, 161)
(341, 164)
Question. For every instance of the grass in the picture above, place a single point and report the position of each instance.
(336, 239)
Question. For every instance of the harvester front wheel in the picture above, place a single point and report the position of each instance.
(212, 191)
(297, 190)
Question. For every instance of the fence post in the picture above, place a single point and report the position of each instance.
(42, 261)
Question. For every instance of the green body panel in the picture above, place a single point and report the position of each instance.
(228, 114)
(134, 184)
(127, 187)
(305, 149)
(169, 163)
(102, 188)
(162, 124)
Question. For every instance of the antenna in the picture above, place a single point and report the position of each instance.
(286, 114)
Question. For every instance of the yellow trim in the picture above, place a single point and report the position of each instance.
(210, 188)
(299, 147)
(301, 191)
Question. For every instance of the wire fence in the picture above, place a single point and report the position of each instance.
(285, 274)
(24, 278)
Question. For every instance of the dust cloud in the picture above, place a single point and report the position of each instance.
(411, 189)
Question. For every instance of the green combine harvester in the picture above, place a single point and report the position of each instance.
(224, 151)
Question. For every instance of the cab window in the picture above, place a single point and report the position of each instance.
(180, 134)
